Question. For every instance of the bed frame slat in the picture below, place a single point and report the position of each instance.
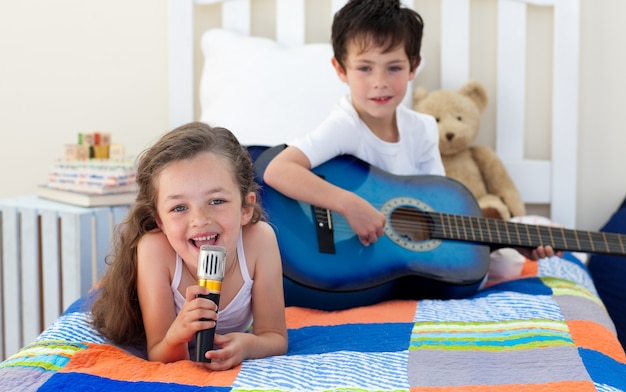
(11, 338)
(30, 276)
(511, 85)
(181, 60)
(236, 16)
(51, 266)
(455, 19)
(565, 109)
(290, 22)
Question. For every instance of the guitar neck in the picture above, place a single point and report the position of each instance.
(498, 232)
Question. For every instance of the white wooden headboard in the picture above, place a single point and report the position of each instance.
(551, 181)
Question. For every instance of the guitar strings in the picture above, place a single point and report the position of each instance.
(480, 229)
(421, 225)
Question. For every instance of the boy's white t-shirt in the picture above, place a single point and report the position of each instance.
(343, 132)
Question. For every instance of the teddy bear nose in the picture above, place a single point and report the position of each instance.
(449, 136)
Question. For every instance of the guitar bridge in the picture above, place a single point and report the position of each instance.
(324, 229)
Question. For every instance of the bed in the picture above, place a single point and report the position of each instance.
(545, 329)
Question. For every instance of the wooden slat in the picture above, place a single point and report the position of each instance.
(11, 282)
(30, 293)
(564, 112)
(70, 252)
(454, 43)
(181, 62)
(75, 246)
(511, 85)
(51, 266)
(290, 23)
(236, 16)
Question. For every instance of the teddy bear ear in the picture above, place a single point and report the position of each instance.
(419, 94)
(476, 92)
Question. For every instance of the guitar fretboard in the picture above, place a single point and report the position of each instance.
(495, 231)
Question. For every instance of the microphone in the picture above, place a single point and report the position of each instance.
(211, 265)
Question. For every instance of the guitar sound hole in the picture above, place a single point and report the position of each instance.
(411, 224)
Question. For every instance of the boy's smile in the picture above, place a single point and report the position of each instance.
(382, 100)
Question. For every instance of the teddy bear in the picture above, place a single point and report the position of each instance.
(476, 166)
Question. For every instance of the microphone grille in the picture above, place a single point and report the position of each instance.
(211, 262)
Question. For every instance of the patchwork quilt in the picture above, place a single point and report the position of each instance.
(545, 331)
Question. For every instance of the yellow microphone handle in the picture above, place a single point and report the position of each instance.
(214, 286)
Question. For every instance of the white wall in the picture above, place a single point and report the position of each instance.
(72, 66)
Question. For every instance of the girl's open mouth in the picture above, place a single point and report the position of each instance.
(208, 240)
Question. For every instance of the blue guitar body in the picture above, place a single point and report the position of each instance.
(326, 267)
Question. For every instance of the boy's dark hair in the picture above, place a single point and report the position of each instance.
(383, 23)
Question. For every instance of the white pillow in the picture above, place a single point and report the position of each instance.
(266, 93)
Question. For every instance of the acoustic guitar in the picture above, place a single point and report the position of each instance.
(434, 230)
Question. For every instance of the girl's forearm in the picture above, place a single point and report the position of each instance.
(265, 345)
(167, 353)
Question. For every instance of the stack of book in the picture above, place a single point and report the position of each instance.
(90, 176)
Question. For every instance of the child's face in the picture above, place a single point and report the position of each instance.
(199, 202)
(377, 80)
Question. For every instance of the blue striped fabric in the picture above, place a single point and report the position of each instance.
(72, 327)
